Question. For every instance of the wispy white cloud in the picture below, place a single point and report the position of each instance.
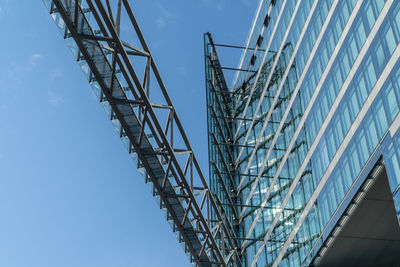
(34, 59)
(126, 27)
(182, 69)
(248, 2)
(54, 99)
(221, 4)
(166, 17)
(156, 44)
(217, 4)
(55, 74)
(160, 23)
(207, 2)
(167, 14)
(5, 7)
(16, 72)
(13, 73)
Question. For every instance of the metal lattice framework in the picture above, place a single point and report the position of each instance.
(124, 76)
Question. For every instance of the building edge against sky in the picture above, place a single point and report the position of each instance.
(306, 143)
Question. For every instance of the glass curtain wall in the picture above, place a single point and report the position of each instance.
(319, 96)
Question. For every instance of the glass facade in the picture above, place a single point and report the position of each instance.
(313, 107)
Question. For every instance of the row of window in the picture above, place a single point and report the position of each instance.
(341, 121)
(294, 33)
(332, 86)
(347, 112)
(258, 30)
(281, 141)
(348, 108)
(350, 164)
(335, 27)
(275, 43)
(279, 34)
(310, 37)
(379, 63)
(267, 101)
(385, 109)
(326, 47)
(383, 47)
(363, 143)
(267, 32)
(304, 50)
(373, 127)
(251, 109)
(319, 15)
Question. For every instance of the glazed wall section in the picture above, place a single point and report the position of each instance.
(321, 93)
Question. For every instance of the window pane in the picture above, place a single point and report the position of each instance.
(380, 117)
(390, 101)
(389, 39)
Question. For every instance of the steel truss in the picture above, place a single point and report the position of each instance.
(151, 130)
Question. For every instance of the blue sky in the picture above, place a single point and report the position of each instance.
(69, 193)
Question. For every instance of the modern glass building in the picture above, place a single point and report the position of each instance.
(304, 148)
